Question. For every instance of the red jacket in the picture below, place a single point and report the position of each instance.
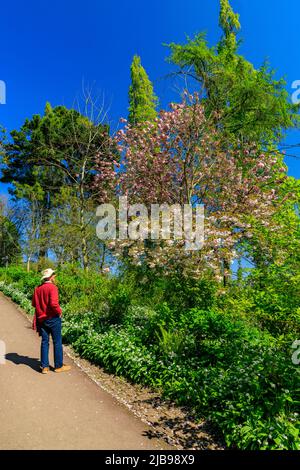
(45, 301)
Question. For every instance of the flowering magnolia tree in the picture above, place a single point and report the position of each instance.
(183, 158)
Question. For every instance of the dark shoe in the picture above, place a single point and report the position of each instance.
(64, 368)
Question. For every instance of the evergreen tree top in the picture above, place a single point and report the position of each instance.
(142, 99)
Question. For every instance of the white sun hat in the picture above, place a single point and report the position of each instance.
(47, 273)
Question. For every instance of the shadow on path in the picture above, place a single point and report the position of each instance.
(34, 363)
(186, 430)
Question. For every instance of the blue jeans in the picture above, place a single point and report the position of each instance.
(51, 326)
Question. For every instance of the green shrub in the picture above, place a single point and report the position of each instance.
(268, 298)
(183, 293)
(171, 342)
(119, 301)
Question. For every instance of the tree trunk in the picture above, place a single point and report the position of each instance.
(84, 248)
(226, 272)
(85, 257)
(102, 259)
(239, 272)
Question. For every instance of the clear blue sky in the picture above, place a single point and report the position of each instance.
(49, 47)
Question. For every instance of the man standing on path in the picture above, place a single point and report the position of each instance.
(47, 320)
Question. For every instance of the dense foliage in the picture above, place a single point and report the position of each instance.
(224, 364)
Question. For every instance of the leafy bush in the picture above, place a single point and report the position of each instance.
(268, 298)
(171, 342)
(17, 296)
(119, 301)
(183, 293)
(243, 377)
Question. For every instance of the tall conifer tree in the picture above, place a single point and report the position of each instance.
(142, 99)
